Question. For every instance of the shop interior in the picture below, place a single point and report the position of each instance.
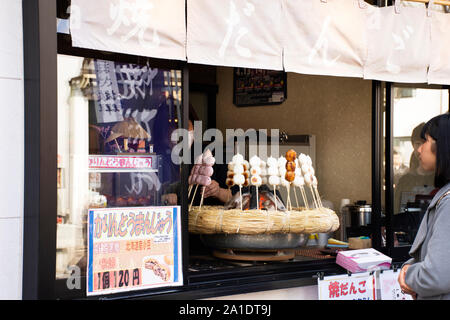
(334, 112)
(329, 117)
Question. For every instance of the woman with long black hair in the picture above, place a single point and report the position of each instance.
(427, 274)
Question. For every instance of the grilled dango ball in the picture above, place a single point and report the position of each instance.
(291, 155)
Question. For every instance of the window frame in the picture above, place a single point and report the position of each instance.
(42, 44)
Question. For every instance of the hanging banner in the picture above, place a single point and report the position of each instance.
(133, 249)
(146, 28)
(357, 286)
(237, 33)
(398, 44)
(439, 71)
(325, 37)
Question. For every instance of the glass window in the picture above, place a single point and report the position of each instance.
(413, 187)
(115, 122)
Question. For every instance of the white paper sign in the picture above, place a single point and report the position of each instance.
(325, 37)
(140, 27)
(237, 33)
(358, 286)
(398, 44)
(389, 288)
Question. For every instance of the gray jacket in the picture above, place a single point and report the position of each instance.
(429, 273)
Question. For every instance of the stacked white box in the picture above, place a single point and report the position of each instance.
(363, 260)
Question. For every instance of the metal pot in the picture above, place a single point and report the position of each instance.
(360, 214)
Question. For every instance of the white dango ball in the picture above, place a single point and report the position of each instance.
(299, 181)
(255, 161)
(282, 171)
(302, 158)
(305, 169)
(274, 180)
(282, 162)
(308, 161)
(272, 171)
(314, 181)
(239, 179)
(298, 171)
(263, 171)
(238, 159)
(238, 169)
(231, 166)
(256, 181)
(308, 179)
(255, 171)
(312, 171)
(272, 162)
(284, 182)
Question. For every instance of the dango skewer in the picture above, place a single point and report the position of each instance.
(256, 180)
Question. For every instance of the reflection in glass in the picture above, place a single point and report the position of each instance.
(114, 126)
(413, 187)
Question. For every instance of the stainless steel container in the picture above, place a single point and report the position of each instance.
(360, 214)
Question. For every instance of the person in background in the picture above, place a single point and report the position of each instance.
(427, 274)
(416, 180)
(217, 193)
(399, 167)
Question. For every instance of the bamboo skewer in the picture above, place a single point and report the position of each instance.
(193, 197)
(314, 197)
(289, 204)
(305, 200)
(240, 195)
(275, 196)
(257, 198)
(296, 199)
(203, 195)
(318, 197)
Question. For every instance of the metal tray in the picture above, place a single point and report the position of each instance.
(274, 241)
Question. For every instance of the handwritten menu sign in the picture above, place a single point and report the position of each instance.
(133, 249)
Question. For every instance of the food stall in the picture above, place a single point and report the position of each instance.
(118, 103)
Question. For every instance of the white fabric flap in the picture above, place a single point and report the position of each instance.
(439, 71)
(151, 28)
(237, 33)
(398, 44)
(324, 37)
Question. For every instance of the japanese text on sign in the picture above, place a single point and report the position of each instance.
(133, 248)
(355, 287)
